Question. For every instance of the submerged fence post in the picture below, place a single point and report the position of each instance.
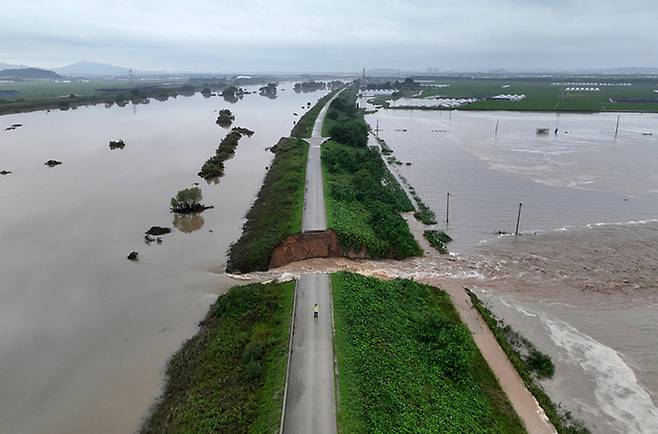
(448, 208)
(518, 220)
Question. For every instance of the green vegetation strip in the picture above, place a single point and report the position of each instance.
(277, 212)
(214, 166)
(531, 365)
(304, 127)
(230, 377)
(424, 214)
(438, 240)
(406, 363)
(363, 199)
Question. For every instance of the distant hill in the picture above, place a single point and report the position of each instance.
(87, 69)
(28, 73)
(10, 66)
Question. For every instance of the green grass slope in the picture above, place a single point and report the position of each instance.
(229, 378)
(304, 127)
(363, 199)
(277, 211)
(406, 363)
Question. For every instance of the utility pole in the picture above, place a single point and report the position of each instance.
(448, 209)
(518, 220)
(377, 129)
(617, 129)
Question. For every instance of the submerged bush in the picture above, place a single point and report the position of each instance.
(187, 198)
(214, 166)
(438, 240)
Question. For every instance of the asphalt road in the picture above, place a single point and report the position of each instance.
(314, 217)
(315, 214)
(310, 405)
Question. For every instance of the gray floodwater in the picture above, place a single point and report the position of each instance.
(582, 280)
(582, 175)
(84, 333)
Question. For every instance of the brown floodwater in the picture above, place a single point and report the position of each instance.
(84, 333)
(582, 279)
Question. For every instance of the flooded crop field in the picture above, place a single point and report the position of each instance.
(84, 332)
(581, 281)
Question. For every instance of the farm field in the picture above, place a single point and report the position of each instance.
(544, 95)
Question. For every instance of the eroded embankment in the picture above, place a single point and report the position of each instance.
(310, 245)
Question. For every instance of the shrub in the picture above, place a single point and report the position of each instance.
(187, 198)
(540, 363)
(438, 240)
(352, 133)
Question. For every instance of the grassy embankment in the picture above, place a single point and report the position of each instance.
(406, 363)
(542, 96)
(277, 211)
(363, 199)
(304, 127)
(424, 213)
(531, 365)
(229, 378)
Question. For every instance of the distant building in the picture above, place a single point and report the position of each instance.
(364, 80)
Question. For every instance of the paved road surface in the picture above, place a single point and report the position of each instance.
(315, 215)
(310, 405)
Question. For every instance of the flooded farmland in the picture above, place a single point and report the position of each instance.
(85, 333)
(581, 281)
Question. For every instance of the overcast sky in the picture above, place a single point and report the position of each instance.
(338, 35)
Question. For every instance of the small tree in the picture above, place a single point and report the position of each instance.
(186, 199)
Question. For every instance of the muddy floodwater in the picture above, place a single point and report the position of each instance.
(582, 279)
(85, 333)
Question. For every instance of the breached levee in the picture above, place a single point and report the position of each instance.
(309, 245)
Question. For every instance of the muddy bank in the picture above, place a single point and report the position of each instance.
(316, 244)
(312, 244)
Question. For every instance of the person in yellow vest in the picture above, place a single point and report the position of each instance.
(316, 310)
